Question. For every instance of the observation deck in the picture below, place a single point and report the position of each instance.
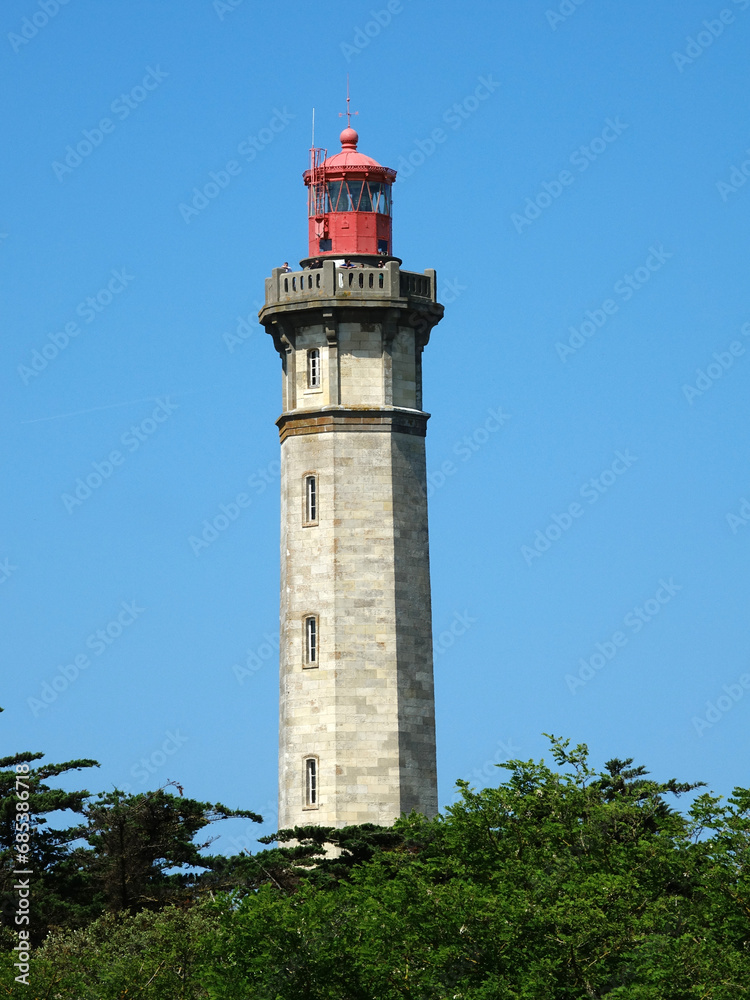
(332, 284)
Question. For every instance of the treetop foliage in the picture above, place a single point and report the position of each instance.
(563, 882)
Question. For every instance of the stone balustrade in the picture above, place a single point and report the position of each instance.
(333, 282)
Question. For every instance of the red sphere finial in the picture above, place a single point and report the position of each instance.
(349, 138)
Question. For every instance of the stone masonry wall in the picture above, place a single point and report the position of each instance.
(366, 711)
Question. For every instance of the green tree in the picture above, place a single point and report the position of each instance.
(142, 851)
(562, 883)
(61, 897)
(318, 855)
(149, 955)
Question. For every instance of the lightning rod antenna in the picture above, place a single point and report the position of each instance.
(348, 111)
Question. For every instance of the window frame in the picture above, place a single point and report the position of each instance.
(311, 777)
(310, 642)
(314, 369)
(310, 506)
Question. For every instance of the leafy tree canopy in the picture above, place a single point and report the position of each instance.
(60, 898)
(562, 883)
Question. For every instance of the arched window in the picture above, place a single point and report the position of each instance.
(311, 782)
(311, 499)
(311, 641)
(313, 369)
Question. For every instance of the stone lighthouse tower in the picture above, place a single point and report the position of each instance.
(357, 717)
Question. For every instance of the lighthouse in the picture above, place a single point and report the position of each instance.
(357, 712)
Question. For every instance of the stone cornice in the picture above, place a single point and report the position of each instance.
(290, 317)
(353, 418)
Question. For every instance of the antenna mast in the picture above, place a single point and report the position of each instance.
(348, 113)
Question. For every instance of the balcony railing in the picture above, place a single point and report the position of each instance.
(333, 282)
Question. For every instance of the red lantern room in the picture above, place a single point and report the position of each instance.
(349, 203)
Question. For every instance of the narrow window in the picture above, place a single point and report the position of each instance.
(313, 369)
(311, 499)
(311, 641)
(311, 782)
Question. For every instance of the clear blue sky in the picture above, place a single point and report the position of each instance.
(561, 171)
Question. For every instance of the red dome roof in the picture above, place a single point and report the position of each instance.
(349, 157)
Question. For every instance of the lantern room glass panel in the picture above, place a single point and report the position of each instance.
(334, 189)
(365, 204)
(355, 192)
(355, 196)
